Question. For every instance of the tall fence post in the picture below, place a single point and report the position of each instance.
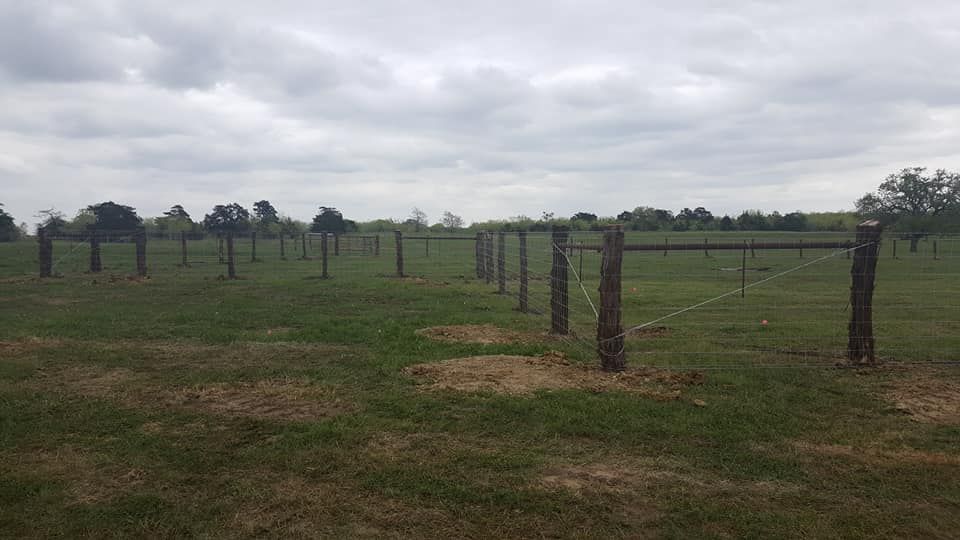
(501, 262)
(141, 242)
(96, 265)
(428, 247)
(283, 249)
(488, 258)
(323, 251)
(183, 249)
(376, 245)
(303, 245)
(231, 261)
(894, 249)
(479, 253)
(860, 347)
(753, 253)
(46, 253)
(220, 248)
(253, 246)
(398, 238)
(706, 252)
(610, 339)
(336, 244)
(524, 287)
(801, 248)
(559, 292)
(936, 256)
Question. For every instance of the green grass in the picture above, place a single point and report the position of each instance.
(113, 393)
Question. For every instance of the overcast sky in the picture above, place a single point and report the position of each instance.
(488, 109)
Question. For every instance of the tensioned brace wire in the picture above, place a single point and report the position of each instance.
(733, 292)
(579, 281)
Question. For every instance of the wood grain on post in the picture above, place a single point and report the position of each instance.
(46, 253)
(398, 238)
(323, 252)
(559, 291)
(96, 265)
(610, 341)
(524, 290)
(183, 248)
(502, 262)
(860, 347)
(141, 241)
(231, 262)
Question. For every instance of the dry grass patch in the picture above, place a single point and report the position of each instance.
(524, 375)
(88, 477)
(484, 334)
(276, 399)
(26, 345)
(877, 456)
(926, 395)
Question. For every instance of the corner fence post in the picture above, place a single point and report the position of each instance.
(46, 253)
(231, 261)
(860, 346)
(323, 252)
(524, 287)
(141, 239)
(398, 238)
(96, 265)
(183, 249)
(488, 257)
(559, 292)
(501, 262)
(478, 247)
(253, 246)
(610, 342)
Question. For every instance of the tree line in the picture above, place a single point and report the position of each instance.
(911, 200)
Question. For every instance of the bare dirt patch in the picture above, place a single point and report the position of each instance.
(423, 281)
(926, 395)
(524, 375)
(26, 345)
(277, 399)
(484, 334)
(878, 456)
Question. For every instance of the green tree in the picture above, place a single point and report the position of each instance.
(418, 218)
(52, 220)
(114, 217)
(8, 227)
(329, 219)
(451, 221)
(914, 201)
(266, 215)
(175, 220)
(227, 218)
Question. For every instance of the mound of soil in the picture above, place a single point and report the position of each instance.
(927, 396)
(524, 375)
(485, 334)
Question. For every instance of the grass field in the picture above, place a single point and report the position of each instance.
(280, 404)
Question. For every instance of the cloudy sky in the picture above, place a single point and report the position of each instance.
(488, 109)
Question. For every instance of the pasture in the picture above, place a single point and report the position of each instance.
(283, 404)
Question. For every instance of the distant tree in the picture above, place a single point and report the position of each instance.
(451, 221)
(418, 218)
(52, 220)
(8, 227)
(175, 220)
(266, 215)
(584, 216)
(289, 226)
(753, 220)
(546, 216)
(727, 224)
(914, 201)
(626, 215)
(794, 221)
(177, 212)
(114, 217)
(227, 218)
(329, 219)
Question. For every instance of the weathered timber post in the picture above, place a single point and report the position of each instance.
(428, 247)
(666, 245)
(559, 292)
(283, 249)
(323, 252)
(488, 258)
(46, 252)
(336, 244)
(801, 248)
(580, 275)
(96, 265)
(303, 245)
(141, 243)
(706, 253)
(743, 272)
(894, 249)
(478, 247)
(398, 238)
(860, 347)
(935, 255)
(231, 261)
(501, 262)
(524, 287)
(220, 248)
(610, 339)
(753, 254)
(253, 246)
(376, 245)
(183, 248)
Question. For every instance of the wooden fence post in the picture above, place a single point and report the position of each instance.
(428, 247)
(706, 253)
(46, 253)
(524, 287)
(666, 245)
(323, 251)
(743, 272)
(894, 249)
(478, 248)
(801, 248)
(488, 258)
(283, 250)
(376, 245)
(610, 341)
(303, 245)
(559, 292)
(183, 249)
(336, 244)
(860, 347)
(141, 242)
(96, 265)
(253, 246)
(398, 238)
(220, 248)
(501, 262)
(231, 262)
(936, 256)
